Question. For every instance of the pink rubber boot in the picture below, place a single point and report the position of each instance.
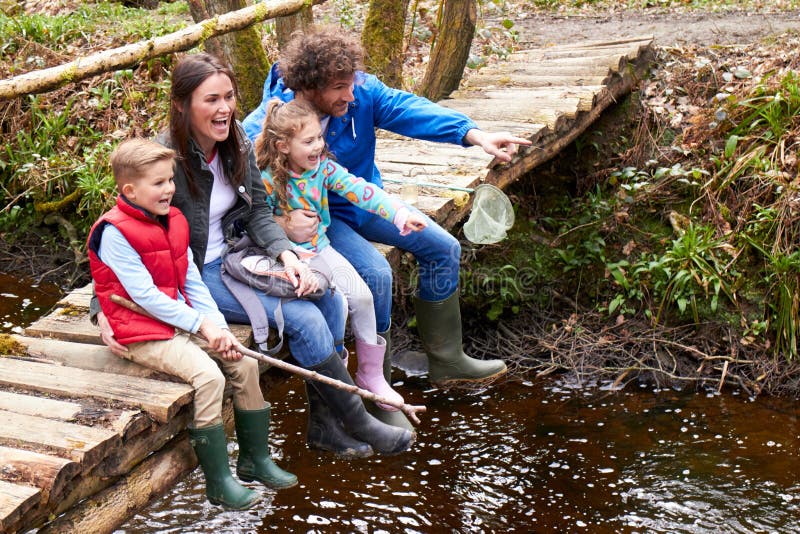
(369, 375)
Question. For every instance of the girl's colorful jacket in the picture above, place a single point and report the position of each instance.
(309, 191)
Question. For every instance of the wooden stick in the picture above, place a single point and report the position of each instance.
(408, 409)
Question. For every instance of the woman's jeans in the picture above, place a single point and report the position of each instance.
(311, 328)
(438, 255)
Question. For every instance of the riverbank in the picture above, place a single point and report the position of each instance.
(588, 284)
(664, 249)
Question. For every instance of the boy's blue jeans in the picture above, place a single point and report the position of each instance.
(438, 255)
(311, 329)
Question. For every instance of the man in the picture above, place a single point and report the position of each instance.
(324, 68)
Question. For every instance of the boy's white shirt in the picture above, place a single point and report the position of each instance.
(116, 252)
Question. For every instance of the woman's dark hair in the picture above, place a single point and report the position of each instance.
(188, 74)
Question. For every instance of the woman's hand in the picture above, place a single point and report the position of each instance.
(220, 340)
(300, 225)
(299, 274)
(107, 335)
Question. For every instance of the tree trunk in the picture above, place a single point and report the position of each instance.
(382, 39)
(451, 51)
(242, 50)
(286, 26)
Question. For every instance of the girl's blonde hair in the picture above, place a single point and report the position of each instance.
(282, 122)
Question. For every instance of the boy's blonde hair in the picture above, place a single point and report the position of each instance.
(129, 161)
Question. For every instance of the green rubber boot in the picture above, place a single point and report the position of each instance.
(255, 462)
(209, 444)
(394, 418)
(439, 325)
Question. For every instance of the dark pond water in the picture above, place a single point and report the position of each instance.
(532, 456)
(22, 302)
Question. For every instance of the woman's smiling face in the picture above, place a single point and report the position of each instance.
(211, 111)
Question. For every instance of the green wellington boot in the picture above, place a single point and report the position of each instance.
(255, 462)
(439, 325)
(394, 418)
(209, 444)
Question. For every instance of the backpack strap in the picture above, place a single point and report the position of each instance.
(255, 311)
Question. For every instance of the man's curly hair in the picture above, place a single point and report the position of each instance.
(314, 59)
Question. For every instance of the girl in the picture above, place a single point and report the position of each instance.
(298, 174)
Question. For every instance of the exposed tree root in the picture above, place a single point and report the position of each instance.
(584, 346)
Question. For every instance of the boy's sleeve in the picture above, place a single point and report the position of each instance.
(199, 295)
(116, 252)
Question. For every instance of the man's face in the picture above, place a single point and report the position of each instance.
(334, 98)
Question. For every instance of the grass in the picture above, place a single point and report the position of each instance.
(28, 39)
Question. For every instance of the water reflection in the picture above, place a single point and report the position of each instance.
(543, 457)
(22, 302)
(538, 457)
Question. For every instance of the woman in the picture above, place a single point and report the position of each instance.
(219, 190)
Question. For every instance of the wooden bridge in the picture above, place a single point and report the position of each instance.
(87, 439)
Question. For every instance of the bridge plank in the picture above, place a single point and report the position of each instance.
(78, 298)
(39, 406)
(537, 70)
(527, 80)
(62, 324)
(15, 500)
(83, 356)
(159, 399)
(85, 444)
(516, 110)
(48, 473)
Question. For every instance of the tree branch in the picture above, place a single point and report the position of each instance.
(127, 56)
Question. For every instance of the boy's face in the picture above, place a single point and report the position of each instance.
(154, 189)
(334, 98)
(305, 148)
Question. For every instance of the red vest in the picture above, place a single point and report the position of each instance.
(163, 252)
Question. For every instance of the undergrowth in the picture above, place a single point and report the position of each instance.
(696, 227)
(54, 168)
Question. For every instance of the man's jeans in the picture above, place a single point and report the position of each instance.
(438, 255)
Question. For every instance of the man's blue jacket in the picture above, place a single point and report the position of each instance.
(351, 138)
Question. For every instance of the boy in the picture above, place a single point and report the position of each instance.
(140, 250)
